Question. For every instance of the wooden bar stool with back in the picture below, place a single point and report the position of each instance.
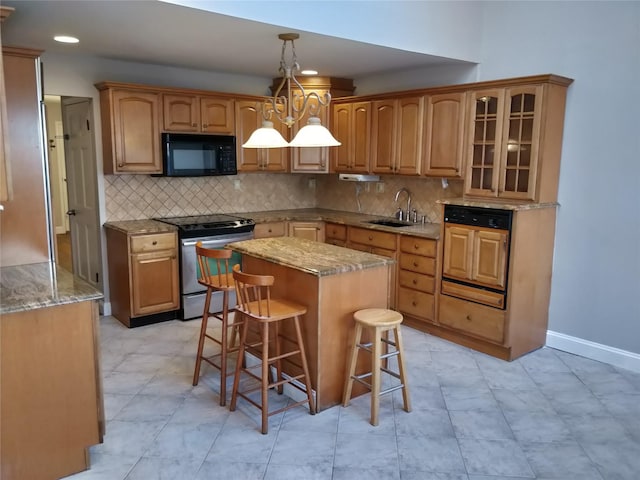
(255, 302)
(216, 275)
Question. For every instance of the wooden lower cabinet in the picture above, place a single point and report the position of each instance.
(143, 275)
(51, 398)
(416, 278)
(309, 230)
(270, 229)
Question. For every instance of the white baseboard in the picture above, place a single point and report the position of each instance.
(595, 351)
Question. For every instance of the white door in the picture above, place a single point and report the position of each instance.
(79, 149)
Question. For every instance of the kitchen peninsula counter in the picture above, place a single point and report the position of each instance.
(332, 282)
(51, 398)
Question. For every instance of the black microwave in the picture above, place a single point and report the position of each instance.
(193, 155)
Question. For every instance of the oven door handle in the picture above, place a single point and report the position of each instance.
(192, 243)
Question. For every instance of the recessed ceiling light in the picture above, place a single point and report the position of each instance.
(309, 72)
(65, 39)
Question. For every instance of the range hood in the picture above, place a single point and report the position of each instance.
(353, 177)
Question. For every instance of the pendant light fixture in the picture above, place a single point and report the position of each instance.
(289, 104)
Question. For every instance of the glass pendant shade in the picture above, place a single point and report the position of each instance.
(313, 134)
(265, 137)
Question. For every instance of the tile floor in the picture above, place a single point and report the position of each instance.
(549, 415)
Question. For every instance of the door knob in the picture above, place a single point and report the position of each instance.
(71, 212)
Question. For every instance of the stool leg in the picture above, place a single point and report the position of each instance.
(352, 366)
(203, 332)
(402, 370)
(224, 348)
(375, 376)
(305, 366)
(278, 344)
(265, 377)
(236, 379)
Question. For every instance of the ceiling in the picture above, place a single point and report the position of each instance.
(161, 33)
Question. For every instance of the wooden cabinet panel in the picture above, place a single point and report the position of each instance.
(458, 251)
(154, 282)
(130, 131)
(335, 232)
(417, 304)
(351, 125)
(417, 281)
(478, 295)
(373, 238)
(247, 119)
(473, 319)
(309, 230)
(444, 140)
(418, 246)
(490, 256)
(383, 136)
(199, 114)
(270, 229)
(310, 159)
(418, 263)
(153, 242)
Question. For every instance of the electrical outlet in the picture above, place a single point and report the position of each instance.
(236, 184)
(380, 187)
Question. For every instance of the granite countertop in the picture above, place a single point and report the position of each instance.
(319, 259)
(141, 226)
(502, 205)
(428, 230)
(40, 285)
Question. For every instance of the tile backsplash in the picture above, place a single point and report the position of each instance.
(133, 197)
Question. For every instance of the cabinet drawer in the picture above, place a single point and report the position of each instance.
(152, 242)
(474, 294)
(418, 246)
(417, 263)
(334, 231)
(417, 304)
(375, 239)
(471, 318)
(417, 281)
(269, 229)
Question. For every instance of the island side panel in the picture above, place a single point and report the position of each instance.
(341, 296)
(50, 415)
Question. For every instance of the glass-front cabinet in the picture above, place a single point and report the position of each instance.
(502, 154)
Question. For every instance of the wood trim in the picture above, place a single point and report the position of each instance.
(21, 52)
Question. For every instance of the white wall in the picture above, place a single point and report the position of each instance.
(596, 277)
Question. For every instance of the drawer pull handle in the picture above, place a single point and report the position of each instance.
(416, 246)
(155, 242)
(414, 303)
(370, 237)
(468, 318)
(415, 282)
(415, 264)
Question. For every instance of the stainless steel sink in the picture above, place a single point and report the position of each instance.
(390, 223)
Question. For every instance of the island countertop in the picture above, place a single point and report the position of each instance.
(39, 285)
(319, 259)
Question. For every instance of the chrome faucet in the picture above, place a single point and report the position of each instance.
(400, 214)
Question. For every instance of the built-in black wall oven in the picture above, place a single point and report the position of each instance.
(214, 231)
(476, 254)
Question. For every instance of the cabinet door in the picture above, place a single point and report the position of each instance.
(136, 132)
(520, 140)
(270, 229)
(489, 258)
(458, 252)
(444, 139)
(408, 130)
(309, 230)
(180, 113)
(486, 109)
(383, 137)
(310, 159)
(217, 115)
(341, 130)
(154, 282)
(248, 118)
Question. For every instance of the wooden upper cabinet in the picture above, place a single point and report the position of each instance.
(397, 135)
(130, 130)
(198, 114)
(247, 119)
(310, 159)
(514, 141)
(444, 134)
(351, 126)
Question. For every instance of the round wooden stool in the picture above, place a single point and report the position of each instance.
(379, 321)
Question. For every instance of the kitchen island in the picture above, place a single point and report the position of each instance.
(332, 282)
(51, 397)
